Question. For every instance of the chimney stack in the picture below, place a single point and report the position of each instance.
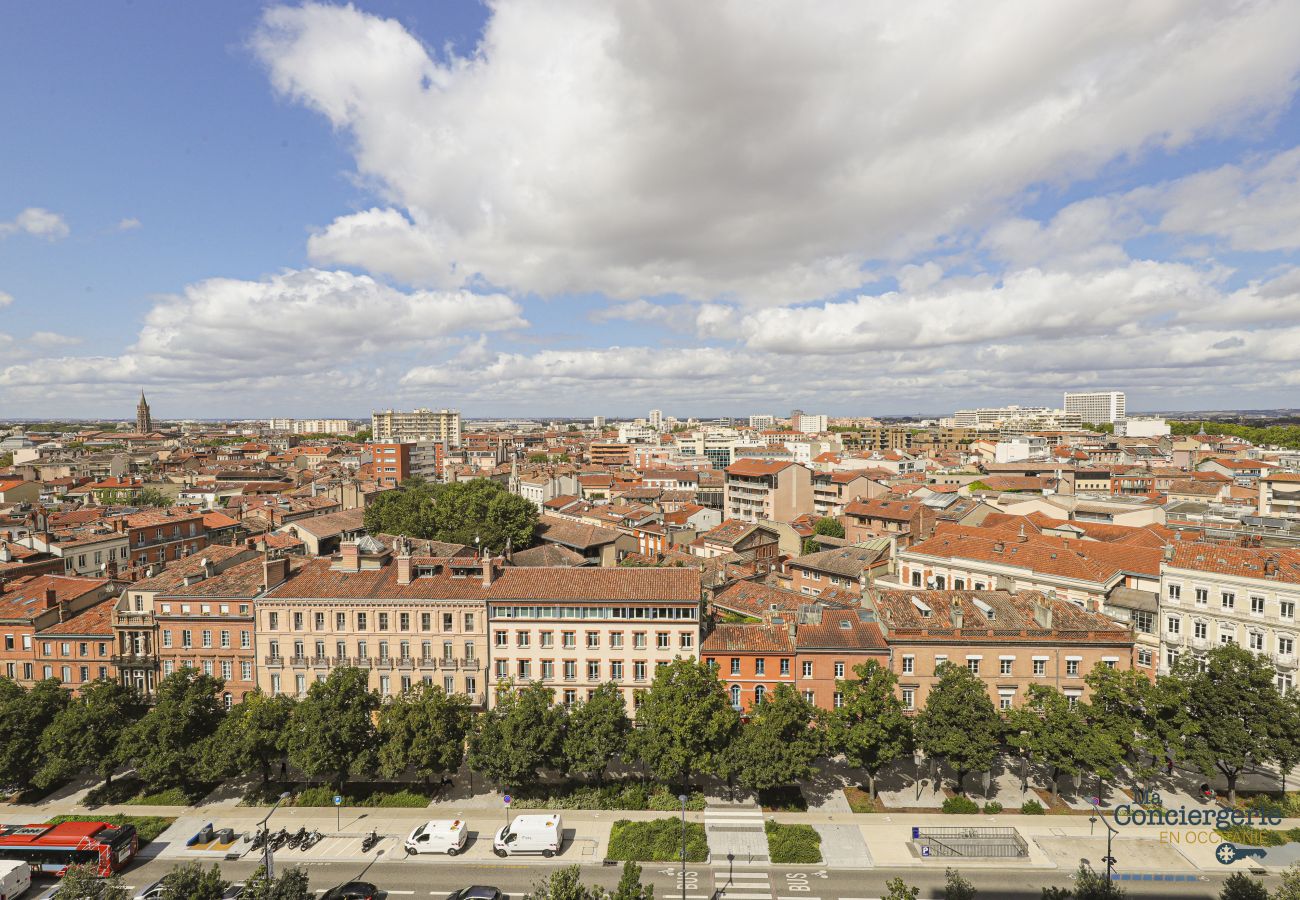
(1043, 613)
(349, 557)
(51, 598)
(1168, 552)
(404, 567)
(488, 571)
(275, 572)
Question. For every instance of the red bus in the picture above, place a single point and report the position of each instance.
(52, 848)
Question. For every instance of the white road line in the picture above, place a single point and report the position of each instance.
(412, 892)
(735, 895)
(800, 897)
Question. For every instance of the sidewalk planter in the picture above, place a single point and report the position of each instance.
(961, 806)
(656, 840)
(793, 844)
(1032, 808)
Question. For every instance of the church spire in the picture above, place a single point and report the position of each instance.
(143, 420)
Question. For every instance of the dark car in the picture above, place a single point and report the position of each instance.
(353, 890)
(476, 892)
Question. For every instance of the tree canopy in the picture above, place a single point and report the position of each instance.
(870, 728)
(423, 730)
(778, 745)
(332, 730)
(24, 717)
(86, 735)
(520, 735)
(685, 722)
(167, 743)
(459, 513)
(596, 733)
(253, 735)
(959, 724)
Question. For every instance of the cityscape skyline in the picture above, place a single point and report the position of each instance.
(1083, 200)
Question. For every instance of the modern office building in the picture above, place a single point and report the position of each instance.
(442, 425)
(1097, 407)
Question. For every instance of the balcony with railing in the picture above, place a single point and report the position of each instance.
(320, 662)
(471, 664)
(132, 619)
(298, 661)
(427, 662)
(135, 661)
(274, 661)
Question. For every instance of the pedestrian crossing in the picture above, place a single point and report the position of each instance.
(744, 884)
(735, 834)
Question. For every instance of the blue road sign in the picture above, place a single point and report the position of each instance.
(338, 800)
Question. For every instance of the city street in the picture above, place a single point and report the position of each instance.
(703, 882)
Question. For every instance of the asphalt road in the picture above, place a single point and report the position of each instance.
(421, 881)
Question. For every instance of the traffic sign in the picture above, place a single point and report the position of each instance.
(925, 850)
(338, 800)
(507, 799)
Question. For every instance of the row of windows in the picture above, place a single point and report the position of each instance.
(225, 668)
(206, 637)
(1228, 600)
(1005, 666)
(66, 673)
(592, 640)
(383, 621)
(1227, 632)
(593, 612)
(404, 683)
(941, 583)
(160, 534)
(403, 648)
(523, 670)
(99, 557)
(65, 647)
(187, 608)
(760, 667)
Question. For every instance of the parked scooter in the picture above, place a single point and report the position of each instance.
(369, 841)
(312, 839)
(281, 837)
(259, 839)
(298, 837)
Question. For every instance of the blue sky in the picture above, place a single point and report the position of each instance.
(574, 207)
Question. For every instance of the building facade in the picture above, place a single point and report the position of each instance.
(442, 425)
(1096, 407)
(767, 489)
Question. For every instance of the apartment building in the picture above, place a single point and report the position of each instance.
(1010, 639)
(136, 644)
(832, 491)
(1213, 594)
(758, 489)
(442, 426)
(51, 629)
(576, 629)
(207, 623)
(161, 536)
(1096, 407)
(396, 461)
(93, 551)
(605, 453)
(907, 520)
(402, 617)
(845, 570)
(1279, 495)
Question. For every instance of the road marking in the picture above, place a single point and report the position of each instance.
(412, 892)
(766, 895)
(800, 897)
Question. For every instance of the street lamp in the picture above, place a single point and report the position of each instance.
(268, 853)
(1110, 833)
(682, 798)
(919, 758)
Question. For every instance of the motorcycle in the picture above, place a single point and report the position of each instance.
(312, 840)
(369, 841)
(279, 840)
(298, 837)
(259, 839)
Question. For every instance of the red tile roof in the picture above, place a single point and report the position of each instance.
(1244, 562)
(752, 468)
(753, 638)
(1093, 561)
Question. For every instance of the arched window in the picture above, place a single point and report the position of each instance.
(759, 691)
(227, 700)
(735, 696)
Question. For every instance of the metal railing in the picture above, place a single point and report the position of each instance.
(998, 843)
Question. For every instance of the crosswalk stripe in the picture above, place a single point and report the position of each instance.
(734, 895)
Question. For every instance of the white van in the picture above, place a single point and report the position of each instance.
(530, 834)
(15, 878)
(438, 836)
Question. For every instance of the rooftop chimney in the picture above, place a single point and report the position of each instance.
(404, 568)
(488, 570)
(51, 598)
(275, 572)
(1022, 537)
(1043, 613)
(1168, 552)
(349, 557)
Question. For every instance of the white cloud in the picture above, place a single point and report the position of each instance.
(45, 339)
(760, 152)
(128, 224)
(36, 222)
(6, 299)
(308, 324)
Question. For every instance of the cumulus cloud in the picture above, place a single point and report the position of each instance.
(128, 224)
(6, 299)
(755, 153)
(36, 222)
(308, 324)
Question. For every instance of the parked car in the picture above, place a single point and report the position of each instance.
(438, 836)
(150, 891)
(476, 892)
(353, 890)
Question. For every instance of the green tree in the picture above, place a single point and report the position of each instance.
(86, 735)
(685, 723)
(290, 884)
(363, 436)
(630, 886)
(82, 882)
(483, 509)
(193, 881)
(424, 729)
(870, 728)
(1057, 734)
(1124, 704)
(829, 527)
(597, 732)
(253, 735)
(1230, 711)
(1088, 885)
(897, 889)
(1284, 742)
(778, 745)
(407, 510)
(959, 724)
(1240, 886)
(1289, 889)
(24, 717)
(167, 744)
(563, 884)
(152, 497)
(520, 735)
(957, 888)
(332, 729)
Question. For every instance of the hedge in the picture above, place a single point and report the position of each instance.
(960, 805)
(630, 795)
(788, 844)
(658, 840)
(323, 795)
(1032, 808)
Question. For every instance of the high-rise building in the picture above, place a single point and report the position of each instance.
(762, 421)
(143, 421)
(419, 425)
(656, 419)
(1097, 407)
(809, 424)
(597, 422)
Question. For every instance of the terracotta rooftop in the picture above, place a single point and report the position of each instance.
(930, 614)
(753, 468)
(1243, 562)
(1093, 561)
(24, 598)
(751, 638)
(578, 535)
(840, 629)
(96, 621)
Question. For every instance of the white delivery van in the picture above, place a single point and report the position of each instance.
(15, 877)
(438, 836)
(529, 834)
